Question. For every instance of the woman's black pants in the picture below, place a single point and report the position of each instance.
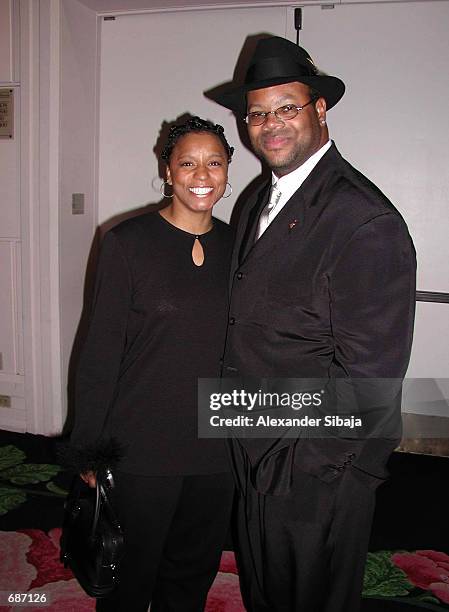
(175, 528)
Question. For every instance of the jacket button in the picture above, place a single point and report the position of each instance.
(240, 275)
(231, 321)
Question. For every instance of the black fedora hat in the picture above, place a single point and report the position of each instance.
(275, 61)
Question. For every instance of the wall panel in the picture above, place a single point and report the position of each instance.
(6, 70)
(10, 177)
(392, 122)
(155, 67)
(9, 359)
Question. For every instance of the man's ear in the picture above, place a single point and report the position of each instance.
(320, 107)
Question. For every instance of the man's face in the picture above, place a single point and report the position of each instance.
(286, 145)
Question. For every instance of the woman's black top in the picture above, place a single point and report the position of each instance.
(158, 324)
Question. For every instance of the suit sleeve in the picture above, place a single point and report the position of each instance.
(372, 293)
(373, 300)
(99, 366)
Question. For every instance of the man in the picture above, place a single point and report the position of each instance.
(323, 286)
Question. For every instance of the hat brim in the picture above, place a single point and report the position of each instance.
(330, 88)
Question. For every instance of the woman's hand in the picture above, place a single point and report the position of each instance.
(90, 478)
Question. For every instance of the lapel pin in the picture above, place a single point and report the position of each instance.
(292, 224)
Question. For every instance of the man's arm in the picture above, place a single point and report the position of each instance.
(373, 300)
(372, 293)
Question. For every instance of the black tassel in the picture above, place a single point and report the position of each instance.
(92, 458)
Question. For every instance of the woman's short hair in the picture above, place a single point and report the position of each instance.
(195, 124)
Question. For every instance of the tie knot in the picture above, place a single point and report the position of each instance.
(274, 196)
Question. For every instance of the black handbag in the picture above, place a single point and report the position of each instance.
(92, 539)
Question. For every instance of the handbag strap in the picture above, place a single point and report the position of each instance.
(97, 510)
(101, 497)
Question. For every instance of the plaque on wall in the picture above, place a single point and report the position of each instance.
(6, 113)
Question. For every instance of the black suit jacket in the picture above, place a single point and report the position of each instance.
(327, 292)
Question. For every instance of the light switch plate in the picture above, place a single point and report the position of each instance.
(77, 203)
(5, 401)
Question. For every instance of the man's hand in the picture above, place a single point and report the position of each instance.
(90, 478)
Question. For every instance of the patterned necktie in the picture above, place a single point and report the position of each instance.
(264, 220)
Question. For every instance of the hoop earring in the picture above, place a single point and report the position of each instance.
(162, 190)
(230, 192)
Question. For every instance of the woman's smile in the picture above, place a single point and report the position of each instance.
(201, 191)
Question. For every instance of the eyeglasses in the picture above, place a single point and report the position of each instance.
(284, 113)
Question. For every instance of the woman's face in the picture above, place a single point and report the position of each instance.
(198, 171)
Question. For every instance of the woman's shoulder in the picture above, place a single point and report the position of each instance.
(133, 227)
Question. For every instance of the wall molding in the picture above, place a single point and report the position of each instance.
(432, 296)
(39, 78)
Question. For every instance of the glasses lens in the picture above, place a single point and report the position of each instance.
(287, 112)
(255, 118)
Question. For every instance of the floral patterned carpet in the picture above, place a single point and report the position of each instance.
(32, 491)
(29, 559)
(31, 504)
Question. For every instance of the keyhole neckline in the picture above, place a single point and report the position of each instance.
(195, 248)
(185, 232)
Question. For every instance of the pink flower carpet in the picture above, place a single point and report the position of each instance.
(29, 559)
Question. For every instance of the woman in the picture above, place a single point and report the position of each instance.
(158, 324)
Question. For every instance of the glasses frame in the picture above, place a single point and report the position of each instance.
(275, 113)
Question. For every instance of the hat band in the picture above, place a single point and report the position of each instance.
(277, 67)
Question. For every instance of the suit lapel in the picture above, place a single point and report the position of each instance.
(243, 239)
(286, 226)
(290, 222)
(249, 235)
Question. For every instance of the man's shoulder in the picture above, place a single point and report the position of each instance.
(356, 196)
(221, 226)
(224, 232)
(253, 193)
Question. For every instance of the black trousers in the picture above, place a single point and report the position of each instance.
(174, 529)
(305, 551)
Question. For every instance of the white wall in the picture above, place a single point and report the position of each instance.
(155, 67)
(78, 163)
(392, 122)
